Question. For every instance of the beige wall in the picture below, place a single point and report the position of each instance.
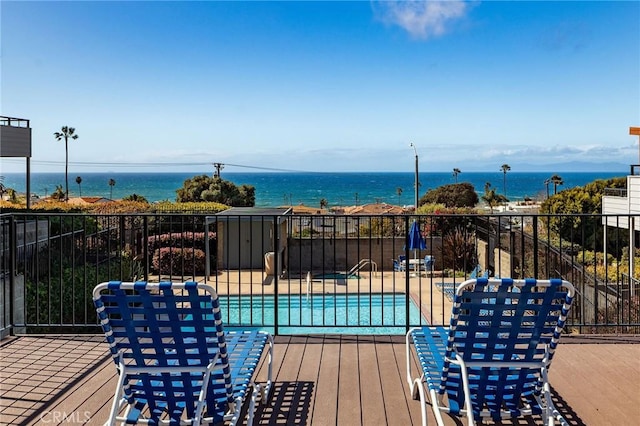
(344, 253)
(502, 260)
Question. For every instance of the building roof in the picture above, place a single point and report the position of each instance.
(374, 208)
(302, 209)
(87, 200)
(255, 211)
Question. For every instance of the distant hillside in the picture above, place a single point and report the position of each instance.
(576, 167)
(623, 169)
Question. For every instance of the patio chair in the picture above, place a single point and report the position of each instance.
(492, 361)
(397, 266)
(428, 263)
(176, 363)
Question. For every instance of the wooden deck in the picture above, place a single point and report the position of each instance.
(319, 380)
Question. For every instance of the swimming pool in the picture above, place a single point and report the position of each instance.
(337, 276)
(380, 313)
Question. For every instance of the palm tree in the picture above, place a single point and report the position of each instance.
(323, 203)
(505, 168)
(547, 182)
(556, 180)
(491, 198)
(66, 134)
(456, 172)
(58, 194)
(112, 183)
(13, 195)
(135, 197)
(399, 192)
(79, 181)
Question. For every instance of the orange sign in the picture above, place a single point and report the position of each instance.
(634, 131)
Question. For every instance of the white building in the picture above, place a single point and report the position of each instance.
(624, 207)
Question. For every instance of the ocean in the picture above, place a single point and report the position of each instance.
(275, 189)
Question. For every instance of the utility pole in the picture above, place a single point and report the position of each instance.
(218, 167)
(416, 183)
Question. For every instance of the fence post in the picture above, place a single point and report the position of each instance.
(407, 275)
(535, 247)
(13, 288)
(145, 247)
(276, 275)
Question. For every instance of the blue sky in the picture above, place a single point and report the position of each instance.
(323, 86)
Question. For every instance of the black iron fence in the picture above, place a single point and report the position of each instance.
(311, 273)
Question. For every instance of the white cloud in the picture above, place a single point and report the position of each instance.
(421, 19)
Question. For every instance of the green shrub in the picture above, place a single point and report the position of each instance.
(62, 292)
(179, 240)
(452, 195)
(175, 261)
(188, 207)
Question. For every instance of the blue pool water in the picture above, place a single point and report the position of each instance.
(383, 313)
(337, 276)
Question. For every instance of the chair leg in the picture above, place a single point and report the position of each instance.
(418, 390)
(435, 405)
(257, 390)
(116, 406)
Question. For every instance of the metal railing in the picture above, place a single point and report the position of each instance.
(291, 274)
(14, 122)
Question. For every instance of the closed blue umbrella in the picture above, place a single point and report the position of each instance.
(416, 242)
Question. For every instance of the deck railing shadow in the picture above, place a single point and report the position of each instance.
(289, 404)
(567, 412)
(46, 373)
(572, 418)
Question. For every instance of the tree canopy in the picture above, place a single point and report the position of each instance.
(136, 197)
(452, 195)
(206, 188)
(576, 201)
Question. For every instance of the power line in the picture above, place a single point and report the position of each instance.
(96, 164)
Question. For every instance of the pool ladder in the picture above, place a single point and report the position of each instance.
(309, 284)
(362, 264)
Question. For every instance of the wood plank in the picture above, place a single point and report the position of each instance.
(371, 386)
(349, 396)
(306, 388)
(284, 406)
(399, 355)
(396, 405)
(268, 413)
(325, 406)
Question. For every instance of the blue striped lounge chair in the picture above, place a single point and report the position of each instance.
(448, 289)
(475, 272)
(176, 364)
(492, 361)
